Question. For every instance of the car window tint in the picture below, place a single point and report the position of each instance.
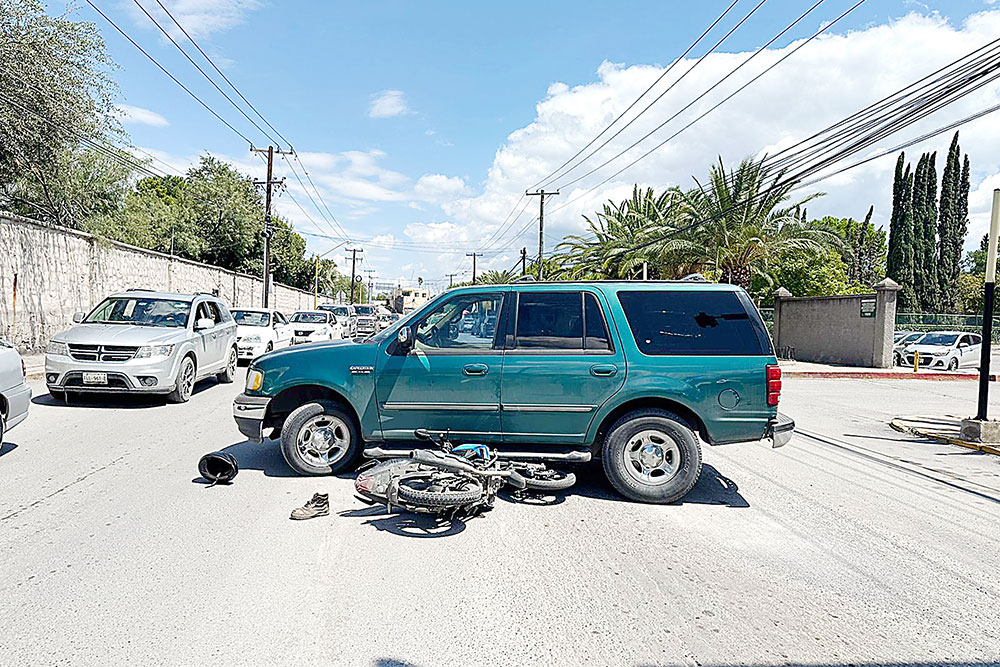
(690, 323)
(596, 337)
(214, 312)
(549, 321)
(468, 321)
(976, 339)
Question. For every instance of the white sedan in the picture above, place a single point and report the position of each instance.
(946, 350)
(312, 326)
(258, 331)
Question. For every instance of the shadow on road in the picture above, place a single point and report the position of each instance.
(265, 457)
(116, 401)
(712, 488)
(7, 447)
(405, 524)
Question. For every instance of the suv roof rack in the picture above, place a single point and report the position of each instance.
(139, 289)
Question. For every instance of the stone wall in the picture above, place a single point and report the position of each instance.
(61, 271)
(853, 330)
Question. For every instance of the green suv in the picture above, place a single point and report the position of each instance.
(631, 372)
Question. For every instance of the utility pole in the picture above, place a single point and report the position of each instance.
(985, 349)
(524, 261)
(371, 284)
(541, 194)
(268, 232)
(473, 255)
(354, 262)
(451, 276)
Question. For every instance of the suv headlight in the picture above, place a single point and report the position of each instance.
(254, 380)
(151, 351)
(252, 339)
(57, 348)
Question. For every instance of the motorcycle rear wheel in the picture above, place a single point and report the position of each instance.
(549, 480)
(440, 491)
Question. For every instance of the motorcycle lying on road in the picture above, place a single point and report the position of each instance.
(459, 480)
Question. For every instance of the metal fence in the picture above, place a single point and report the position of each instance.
(944, 322)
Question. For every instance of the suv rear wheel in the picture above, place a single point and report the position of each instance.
(228, 374)
(652, 456)
(320, 438)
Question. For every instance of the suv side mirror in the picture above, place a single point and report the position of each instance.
(203, 323)
(78, 317)
(404, 338)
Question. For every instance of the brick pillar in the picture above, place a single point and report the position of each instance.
(779, 294)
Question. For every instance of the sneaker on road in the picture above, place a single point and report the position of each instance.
(318, 505)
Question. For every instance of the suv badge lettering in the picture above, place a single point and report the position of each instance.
(362, 370)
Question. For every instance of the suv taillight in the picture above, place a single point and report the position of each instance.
(773, 384)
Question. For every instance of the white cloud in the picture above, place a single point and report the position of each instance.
(434, 187)
(825, 81)
(201, 18)
(140, 116)
(387, 104)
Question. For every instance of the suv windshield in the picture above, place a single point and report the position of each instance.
(250, 318)
(364, 310)
(939, 339)
(310, 318)
(141, 311)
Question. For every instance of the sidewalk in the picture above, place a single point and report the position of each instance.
(34, 364)
(943, 428)
(791, 368)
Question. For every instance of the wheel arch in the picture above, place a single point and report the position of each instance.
(694, 422)
(290, 398)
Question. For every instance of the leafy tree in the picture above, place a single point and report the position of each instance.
(901, 256)
(820, 272)
(925, 279)
(55, 90)
(863, 249)
(496, 277)
(975, 260)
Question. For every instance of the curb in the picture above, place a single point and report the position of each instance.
(884, 376)
(925, 428)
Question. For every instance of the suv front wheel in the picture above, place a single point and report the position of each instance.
(652, 456)
(320, 438)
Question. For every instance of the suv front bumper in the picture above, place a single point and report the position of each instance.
(138, 376)
(249, 411)
(780, 430)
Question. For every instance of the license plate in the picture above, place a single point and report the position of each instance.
(95, 378)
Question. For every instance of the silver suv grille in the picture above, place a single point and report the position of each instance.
(82, 352)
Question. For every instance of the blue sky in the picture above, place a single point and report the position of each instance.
(463, 79)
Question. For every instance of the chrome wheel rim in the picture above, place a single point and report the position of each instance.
(187, 379)
(323, 440)
(652, 457)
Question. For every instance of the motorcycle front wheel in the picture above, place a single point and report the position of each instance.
(440, 490)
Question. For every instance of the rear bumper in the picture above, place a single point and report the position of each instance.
(780, 430)
(249, 411)
(18, 400)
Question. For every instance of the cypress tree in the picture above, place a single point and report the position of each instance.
(893, 266)
(930, 298)
(918, 206)
(951, 229)
(908, 301)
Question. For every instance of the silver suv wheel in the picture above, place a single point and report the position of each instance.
(323, 440)
(651, 457)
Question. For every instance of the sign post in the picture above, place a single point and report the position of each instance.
(989, 297)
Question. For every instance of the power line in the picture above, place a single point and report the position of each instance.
(667, 71)
(167, 72)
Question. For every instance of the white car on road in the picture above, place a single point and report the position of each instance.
(946, 350)
(347, 317)
(258, 331)
(312, 326)
(15, 395)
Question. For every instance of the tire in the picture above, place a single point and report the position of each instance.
(228, 375)
(325, 421)
(669, 438)
(554, 480)
(185, 382)
(411, 491)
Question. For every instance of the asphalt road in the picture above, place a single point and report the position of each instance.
(852, 545)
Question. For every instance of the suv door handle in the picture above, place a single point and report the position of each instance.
(476, 369)
(603, 370)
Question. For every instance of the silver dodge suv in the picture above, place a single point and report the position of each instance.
(145, 342)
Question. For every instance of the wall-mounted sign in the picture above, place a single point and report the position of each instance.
(867, 307)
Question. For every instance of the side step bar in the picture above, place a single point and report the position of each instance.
(574, 456)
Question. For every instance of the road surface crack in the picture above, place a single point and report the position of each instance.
(41, 500)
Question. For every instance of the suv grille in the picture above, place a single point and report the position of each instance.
(82, 352)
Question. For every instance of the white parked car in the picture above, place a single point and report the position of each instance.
(347, 317)
(259, 331)
(946, 350)
(312, 326)
(15, 395)
(901, 341)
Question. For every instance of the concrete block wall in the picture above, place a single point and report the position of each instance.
(61, 271)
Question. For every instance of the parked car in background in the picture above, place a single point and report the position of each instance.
(347, 317)
(15, 394)
(902, 340)
(631, 372)
(313, 326)
(144, 342)
(387, 319)
(259, 331)
(948, 350)
(367, 320)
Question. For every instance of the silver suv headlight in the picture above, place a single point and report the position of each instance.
(57, 348)
(153, 351)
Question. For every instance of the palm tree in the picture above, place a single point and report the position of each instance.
(496, 277)
(609, 249)
(739, 221)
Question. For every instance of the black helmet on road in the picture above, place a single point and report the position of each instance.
(218, 467)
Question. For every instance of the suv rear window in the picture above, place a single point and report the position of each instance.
(692, 323)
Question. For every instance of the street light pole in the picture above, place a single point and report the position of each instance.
(989, 296)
